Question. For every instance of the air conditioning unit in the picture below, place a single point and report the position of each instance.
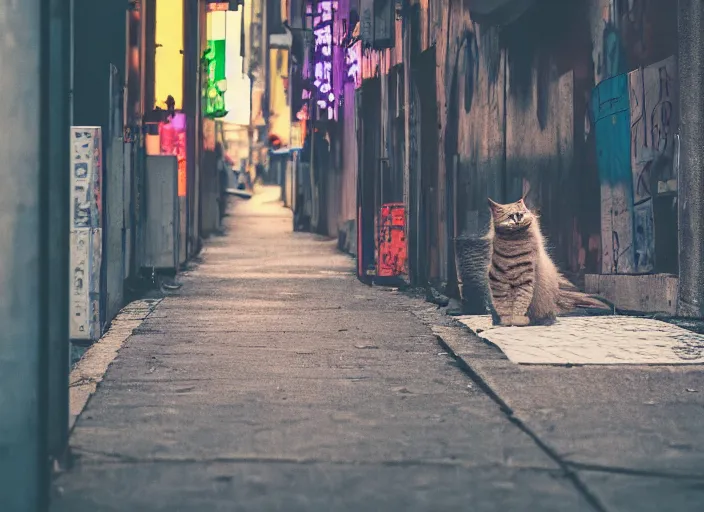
(160, 230)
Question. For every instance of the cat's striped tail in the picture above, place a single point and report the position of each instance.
(570, 298)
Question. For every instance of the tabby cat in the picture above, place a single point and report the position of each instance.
(525, 286)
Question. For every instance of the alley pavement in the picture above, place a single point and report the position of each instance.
(273, 380)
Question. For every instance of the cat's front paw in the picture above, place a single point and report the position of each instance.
(502, 321)
(520, 321)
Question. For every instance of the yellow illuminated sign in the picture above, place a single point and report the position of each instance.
(168, 65)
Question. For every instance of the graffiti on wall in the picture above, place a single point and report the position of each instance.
(653, 123)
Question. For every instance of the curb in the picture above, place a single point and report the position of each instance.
(88, 373)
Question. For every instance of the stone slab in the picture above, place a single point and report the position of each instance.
(600, 340)
(654, 293)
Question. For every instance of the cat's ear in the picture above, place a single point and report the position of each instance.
(492, 204)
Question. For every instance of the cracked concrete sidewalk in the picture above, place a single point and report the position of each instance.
(631, 433)
(593, 340)
(274, 380)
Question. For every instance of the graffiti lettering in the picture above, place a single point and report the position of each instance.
(653, 118)
(660, 129)
(643, 181)
(652, 114)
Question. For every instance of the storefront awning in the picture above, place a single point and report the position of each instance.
(498, 12)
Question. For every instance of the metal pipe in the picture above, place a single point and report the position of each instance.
(55, 108)
(24, 265)
(690, 20)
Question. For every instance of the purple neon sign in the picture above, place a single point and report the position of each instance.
(322, 33)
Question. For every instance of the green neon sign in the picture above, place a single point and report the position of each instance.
(213, 62)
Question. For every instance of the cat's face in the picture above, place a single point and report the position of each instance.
(510, 217)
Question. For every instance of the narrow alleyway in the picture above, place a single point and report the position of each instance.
(274, 380)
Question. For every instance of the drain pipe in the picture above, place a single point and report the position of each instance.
(690, 20)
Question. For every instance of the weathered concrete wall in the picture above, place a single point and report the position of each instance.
(514, 113)
(507, 115)
(542, 52)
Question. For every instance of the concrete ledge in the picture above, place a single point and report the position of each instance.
(654, 293)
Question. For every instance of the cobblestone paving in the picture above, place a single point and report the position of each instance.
(593, 340)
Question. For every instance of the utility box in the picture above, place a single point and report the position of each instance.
(162, 222)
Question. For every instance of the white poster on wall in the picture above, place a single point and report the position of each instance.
(86, 233)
